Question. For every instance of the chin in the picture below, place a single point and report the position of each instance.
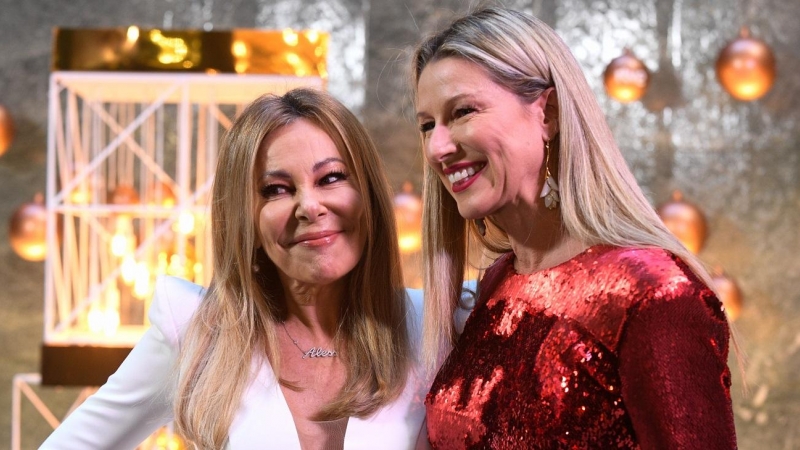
(472, 212)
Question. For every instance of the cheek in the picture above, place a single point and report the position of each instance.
(272, 221)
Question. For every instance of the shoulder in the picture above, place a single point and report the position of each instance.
(174, 303)
(661, 281)
(648, 272)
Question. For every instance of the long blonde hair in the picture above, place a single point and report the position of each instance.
(236, 320)
(601, 202)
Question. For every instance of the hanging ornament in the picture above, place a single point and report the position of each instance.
(626, 78)
(124, 195)
(746, 67)
(685, 221)
(163, 195)
(729, 294)
(26, 230)
(6, 130)
(408, 213)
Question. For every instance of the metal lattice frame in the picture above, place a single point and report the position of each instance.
(114, 137)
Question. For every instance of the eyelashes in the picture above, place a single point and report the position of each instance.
(457, 114)
(273, 190)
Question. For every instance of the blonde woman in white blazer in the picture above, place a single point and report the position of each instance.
(305, 337)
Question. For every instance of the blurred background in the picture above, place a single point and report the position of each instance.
(721, 164)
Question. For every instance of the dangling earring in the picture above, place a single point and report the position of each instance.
(480, 224)
(550, 190)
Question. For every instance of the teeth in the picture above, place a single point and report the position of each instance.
(455, 177)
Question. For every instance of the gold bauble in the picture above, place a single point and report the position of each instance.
(729, 294)
(626, 78)
(408, 214)
(7, 130)
(685, 221)
(746, 67)
(27, 230)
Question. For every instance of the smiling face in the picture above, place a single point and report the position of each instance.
(486, 145)
(310, 216)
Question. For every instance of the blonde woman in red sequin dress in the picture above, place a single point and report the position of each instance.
(595, 328)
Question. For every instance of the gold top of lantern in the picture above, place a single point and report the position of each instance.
(242, 51)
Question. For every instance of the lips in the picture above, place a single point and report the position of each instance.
(462, 175)
(315, 239)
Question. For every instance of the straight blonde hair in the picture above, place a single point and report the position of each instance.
(236, 321)
(601, 202)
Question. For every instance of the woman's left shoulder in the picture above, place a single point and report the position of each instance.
(662, 277)
(651, 266)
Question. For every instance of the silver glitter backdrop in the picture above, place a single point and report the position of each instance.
(740, 162)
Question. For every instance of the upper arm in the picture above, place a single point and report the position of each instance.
(674, 374)
(137, 399)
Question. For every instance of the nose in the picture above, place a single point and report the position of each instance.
(440, 145)
(309, 206)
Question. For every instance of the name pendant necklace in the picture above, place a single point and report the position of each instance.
(314, 352)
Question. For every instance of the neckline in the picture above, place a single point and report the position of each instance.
(599, 248)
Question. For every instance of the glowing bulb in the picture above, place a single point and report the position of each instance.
(312, 36)
(119, 244)
(141, 287)
(185, 223)
(95, 319)
(110, 322)
(175, 268)
(162, 264)
(123, 242)
(128, 269)
(290, 37)
(132, 34)
(110, 317)
(239, 49)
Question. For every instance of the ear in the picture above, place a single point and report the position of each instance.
(551, 110)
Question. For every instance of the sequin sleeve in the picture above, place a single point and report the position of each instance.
(674, 373)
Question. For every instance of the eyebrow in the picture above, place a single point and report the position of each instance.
(447, 102)
(317, 166)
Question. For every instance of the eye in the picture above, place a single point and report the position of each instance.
(425, 127)
(332, 177)
(463, 111)
(273, 190)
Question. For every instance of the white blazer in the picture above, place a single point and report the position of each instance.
(138, 398)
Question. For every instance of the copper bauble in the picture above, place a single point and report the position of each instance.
(163, 195)
(685, 221)
(408, 213)
(6, 130)
(729, 294)
(27, 230)
(746, 67)
(626, 78)
(124, 195)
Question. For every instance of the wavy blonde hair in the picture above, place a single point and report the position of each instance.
(236, 321)
(601, 202)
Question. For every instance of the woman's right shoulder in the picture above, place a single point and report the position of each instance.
(174, 303)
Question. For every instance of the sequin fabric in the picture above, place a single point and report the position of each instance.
(616, 348)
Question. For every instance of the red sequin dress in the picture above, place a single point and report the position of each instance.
(615, 348)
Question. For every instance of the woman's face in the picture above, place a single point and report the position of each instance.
(310, 214)
(486, 145)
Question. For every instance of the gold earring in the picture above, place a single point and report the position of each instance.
(550, 189)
